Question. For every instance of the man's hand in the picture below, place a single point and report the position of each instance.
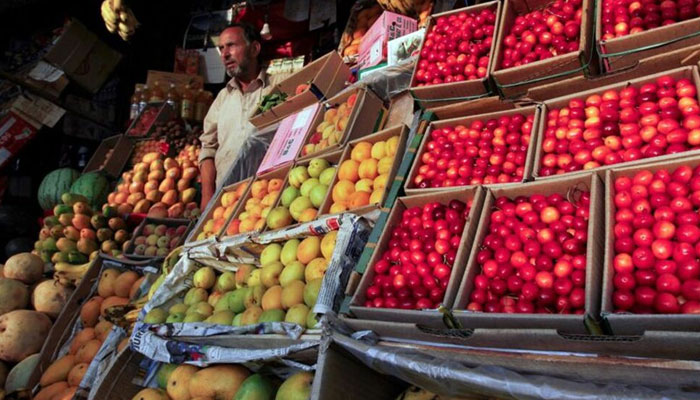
(207, 170)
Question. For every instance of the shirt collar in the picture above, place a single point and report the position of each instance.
(261, 81)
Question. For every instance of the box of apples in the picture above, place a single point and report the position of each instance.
(636, 29)
(654, 117)
(651, 278)
(537, 257)
(542, 41)
(320, 79)
(494, 148)
(157, 237)
(456, 57)
(219, 214)
(347, 116)
(419, 260)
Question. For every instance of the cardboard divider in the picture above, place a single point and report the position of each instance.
(333, 160)
(216, 202)
(678, 73)
(628, 323)
(367, 116)
(515, 81)
(409, 186)
(279, 173)
(467, 238)
(618, 53)
(121, 147)
(169, 222)
(480, 106)
(449, 93)
(326, 76)
(594, 259)
(119, 383)
(402, 132)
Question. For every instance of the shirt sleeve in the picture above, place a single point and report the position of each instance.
(209, 138)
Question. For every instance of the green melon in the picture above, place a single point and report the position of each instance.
(54, 185)
(94, 186)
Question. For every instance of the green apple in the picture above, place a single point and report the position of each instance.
(318, 194)
(316, 166)
(298, 206)
(288, 195)
(293, 271)
(298, 175)
(307, 186)
(327, 175)
(280, 217)
(289, 251)
(270, 253)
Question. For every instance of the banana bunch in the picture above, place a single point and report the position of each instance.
(416, 393)
(125, 316)
(119, 18)
(70, 275)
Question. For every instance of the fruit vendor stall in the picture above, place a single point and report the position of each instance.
(508, 210)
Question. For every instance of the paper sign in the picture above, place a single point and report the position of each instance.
(288, 139)
(45, 72)
(40, 110)
(15, 133)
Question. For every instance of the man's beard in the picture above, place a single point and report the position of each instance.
(239, 70)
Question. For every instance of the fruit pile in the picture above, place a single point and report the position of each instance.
(350, 41)
(143, 147)
(75, 233)
(533, 259)
(224, 381)
(363, 178)
(638, 121)
(485, 152)
(457, 48)
(542, 34)
(330, 131)
(657, 240)
(163, 188)
(65, 374)
(156, 240)
(263, 195)
(626, 17)
(283, 289)
(175, 134)
(223, 210)
(301, 200)
(414, 271)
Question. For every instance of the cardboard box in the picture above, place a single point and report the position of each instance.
(363, 13)
(288, 139)
(449, 93)
(684, 72)
(113, 165)
(15, 133)
(83, 57)
(325, 77)
(618, 53)
(403, 48)
(170, 223)
(179, 80)
(215, 203)
(629, 323)
(373, 47)
(479, 106)
(402, 132)
(410, 186)
(366, 117)
(120, 381)
(687, 56)
(515, 81)
(565, 323)
(432, 316)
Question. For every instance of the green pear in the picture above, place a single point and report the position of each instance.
(288, 195)
(156, 316)
(289, 251)
(194, 317)
(272, 316)
(311, 292)
(317, 166)
(236, 300)
(293, 271)
(297, 314)
(196, 295)
(318, 194)
(298, 175)
(270, 273)
(306, 187)
(173, 318)
(327, 175)
(226, 281)
(221, 317)
(270, 253)
(202, 308)
(178, 308)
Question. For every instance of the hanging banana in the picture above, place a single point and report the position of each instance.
(119, 18)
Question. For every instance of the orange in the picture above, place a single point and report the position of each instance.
(274, 184)
(376, 196)
(361, 151)
(348, 170)
(358, 199)
(368, 169)
(380, 181)
(338, 208)
(342, 190)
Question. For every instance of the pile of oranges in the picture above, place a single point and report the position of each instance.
(363, 178)
(222, 212)
(263, 195)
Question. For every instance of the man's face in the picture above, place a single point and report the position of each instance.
(236, 54)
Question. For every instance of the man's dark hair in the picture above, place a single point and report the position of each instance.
(250, 33)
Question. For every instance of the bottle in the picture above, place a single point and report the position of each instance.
(134, 108)
(143, 100)
(173, 98)
(200, 108)
(187, 104)
(157, 95)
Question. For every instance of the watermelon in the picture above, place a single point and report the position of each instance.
(94, 186)
(54, 185)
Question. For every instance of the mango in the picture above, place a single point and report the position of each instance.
(296, 387)
(87, 351)
(75, 376)
(48, 392)
(219, 381)
(255, 387)
(105, 287)
(123, 283)
(81, 338)
(179, 382)
(58, 370)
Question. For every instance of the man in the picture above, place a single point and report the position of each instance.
(226, 125)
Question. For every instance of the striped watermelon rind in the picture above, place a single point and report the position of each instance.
(54, 184)
(94, 186)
